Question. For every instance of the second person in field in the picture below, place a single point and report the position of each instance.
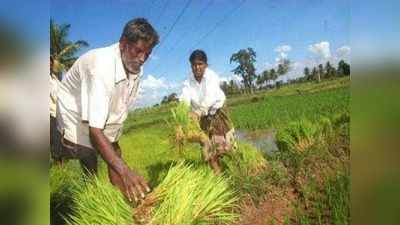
(202, 92)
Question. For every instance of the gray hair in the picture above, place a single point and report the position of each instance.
(140, 29)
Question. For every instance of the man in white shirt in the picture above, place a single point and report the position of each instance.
(93, 101)
(203, 93)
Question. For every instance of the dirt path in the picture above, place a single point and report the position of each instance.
(275, 209)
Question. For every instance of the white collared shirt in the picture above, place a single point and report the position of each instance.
(95, 92)
(204, 96)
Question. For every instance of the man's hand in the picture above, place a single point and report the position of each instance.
(135, 185)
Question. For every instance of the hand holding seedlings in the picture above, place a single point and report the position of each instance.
(135, 185)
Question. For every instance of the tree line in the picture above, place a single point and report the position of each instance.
(245, 59)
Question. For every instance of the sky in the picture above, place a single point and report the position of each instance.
(307, 32)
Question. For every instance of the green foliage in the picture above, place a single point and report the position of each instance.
(278, 174)
(193, 196)
(64, 180)
(298, 137)
(181, 117)
(62, 51)
(247, 168)
(246, 59)
(99, 202)
(277, 111)
(186, 192)
(185, 128)
(329, 204)
(337, 192)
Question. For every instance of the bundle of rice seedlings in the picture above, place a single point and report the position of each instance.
(187, 129)
(245, 158)
(63, 181)
(190, 196)
(248, 170)
(99, 202)
(298, 137)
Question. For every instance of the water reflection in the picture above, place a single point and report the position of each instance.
(263, 140)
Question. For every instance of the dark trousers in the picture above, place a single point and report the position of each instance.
(62, 149)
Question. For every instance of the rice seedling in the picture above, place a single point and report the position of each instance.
(277, 111)
(298, 137)
(63, 181)
(189, 196)
(247, 168)
(99, 202)
(186, 129)
(247, 158)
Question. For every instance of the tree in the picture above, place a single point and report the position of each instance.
(246, 59)
(225, 87)
(273, 75)
(173, 98)
(284, 67)
(169, 98)
(260, 80)
(266, 76)
(62, 51)
(307, 73)
(315, 74)
(330, 71)
(233, 87)
(343, 68)
(164, 100)
(321, 72)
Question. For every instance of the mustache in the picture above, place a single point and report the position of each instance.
(133, 62)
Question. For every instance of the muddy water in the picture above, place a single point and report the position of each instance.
(263, 140)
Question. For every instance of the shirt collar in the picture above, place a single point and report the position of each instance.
(119, 67)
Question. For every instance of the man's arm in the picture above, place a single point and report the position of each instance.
(134, 185)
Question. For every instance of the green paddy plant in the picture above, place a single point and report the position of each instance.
(99, 202)
(298, 137)
(247, 168)
(188, 196)
(64, 179)
(187, 129)
(247, 158)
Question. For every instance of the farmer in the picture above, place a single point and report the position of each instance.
(203, 93)
(93, 102)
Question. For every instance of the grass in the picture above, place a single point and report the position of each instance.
(247, 168)
(310, 118)
(278, 111)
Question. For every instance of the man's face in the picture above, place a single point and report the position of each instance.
(133, 55)
(198, 68)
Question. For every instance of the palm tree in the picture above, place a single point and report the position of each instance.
(62, 51)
